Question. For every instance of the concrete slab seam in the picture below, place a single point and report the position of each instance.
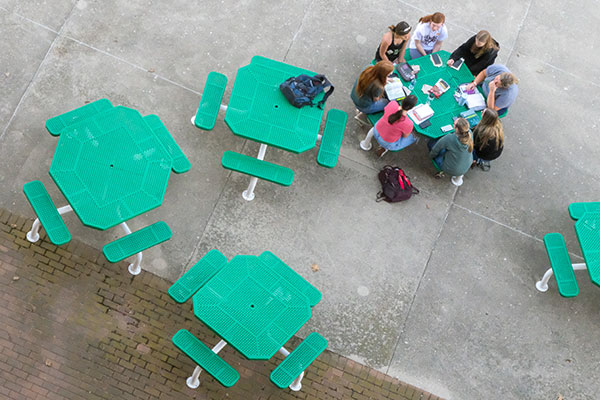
(298, 30)
(519, 30)
(37, 71)
(412, 302)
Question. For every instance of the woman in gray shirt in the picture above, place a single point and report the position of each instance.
(452, 153)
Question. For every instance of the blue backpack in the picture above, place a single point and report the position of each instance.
(302, 89)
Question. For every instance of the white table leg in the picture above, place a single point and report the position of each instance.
(248, 194)
(296, 385)
(542, 284)
(193, 382)
(34, 234)
(135, 267)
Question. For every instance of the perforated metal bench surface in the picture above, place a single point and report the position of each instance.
(197, 276)
(561, 264)
(332, 138)
(258, 168)
(57, 124)
(46, 211)
(137, 241)
(210, 102)
(206, 358)
(576, 210)
(180, 162)
(298, 360)
(311, 292)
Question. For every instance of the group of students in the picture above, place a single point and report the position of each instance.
(455, 152)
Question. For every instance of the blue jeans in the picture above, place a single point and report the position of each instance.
(439, 159)
(414, 53)
(375, 107)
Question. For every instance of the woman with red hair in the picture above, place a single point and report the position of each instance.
(429, 35)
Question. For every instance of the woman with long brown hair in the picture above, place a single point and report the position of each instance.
(479, 52)
(488, 139)
(393, 44)
(429, 35)
(367, 92)
(452, 153)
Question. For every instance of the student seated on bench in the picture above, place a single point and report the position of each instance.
(393, 131)
(393, 44)
(429, 35)
(488, 139)
(367, 92)
(499, 86)
(452, 153)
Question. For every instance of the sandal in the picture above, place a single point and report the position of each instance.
(439, 175)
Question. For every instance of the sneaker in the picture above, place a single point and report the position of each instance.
(380, 152)
(361, 117)
(439, 175)
(484, 165)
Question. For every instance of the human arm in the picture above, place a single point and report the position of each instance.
(403, 51)
(419, 47)
(437, 46)
(385, 43)
(438, 146)
(491, 100)
(478, 79)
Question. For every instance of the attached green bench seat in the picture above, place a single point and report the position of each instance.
(298, 360)
(206, 358)
(311, 292)
(180, 162)
(576, 210)
(57, 124)
(197, 276)
(331, 141)
(561, 264)
(210, 102)
(258, 168)
(137, 241)
(47, 213)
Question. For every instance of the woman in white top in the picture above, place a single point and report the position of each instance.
(429, 35)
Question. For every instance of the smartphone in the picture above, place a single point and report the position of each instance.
(436, 60)
(447, 128)
(458, 63)
(424, 124)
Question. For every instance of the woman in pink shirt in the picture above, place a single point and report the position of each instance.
(393, 131)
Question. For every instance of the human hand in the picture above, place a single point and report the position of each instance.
(450, 62)
(471, 86)
(492, 86)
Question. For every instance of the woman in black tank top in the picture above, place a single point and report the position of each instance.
(393, 44)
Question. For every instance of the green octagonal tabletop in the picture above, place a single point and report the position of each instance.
(445, 107)
(258, 110)
(251, 307)
(111, 167)
(587, 229)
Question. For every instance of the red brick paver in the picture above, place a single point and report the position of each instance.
(74, 326)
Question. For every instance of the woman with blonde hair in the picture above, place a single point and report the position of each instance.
(367, 92)
(479, 52)
(452, 153)
(393, 44)
(429, 35)
(488, 139)
(499, 86)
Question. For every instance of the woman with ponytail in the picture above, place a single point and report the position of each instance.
(393, 131)
(393, 44)
(452, 153)
(429, 35)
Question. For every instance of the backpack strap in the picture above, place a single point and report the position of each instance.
(326, 84)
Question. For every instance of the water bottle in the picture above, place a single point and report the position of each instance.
(411, 86)
(463, 99)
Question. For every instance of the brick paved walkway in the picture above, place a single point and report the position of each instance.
(73, 326)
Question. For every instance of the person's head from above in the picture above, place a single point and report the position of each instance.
(505, 80)
(461, 129)
(436, 21)
(401, 30)
(489, 117)
(377, 73)
(483, 42)
(409, 102)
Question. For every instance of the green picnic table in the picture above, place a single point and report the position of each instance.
(587, 229)
(112, 164)
(257, 110)
(255, 304)
(445, 107)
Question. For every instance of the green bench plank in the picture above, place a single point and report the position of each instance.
(46, 211)
(56, 124)
(576, 210)
(332, 138)
(180, 162)
(206, 358)
(258, 168)
(197, 276)
(137, 241)
(304, 287)
(210, 102)
(561, 265)
(298, 360)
